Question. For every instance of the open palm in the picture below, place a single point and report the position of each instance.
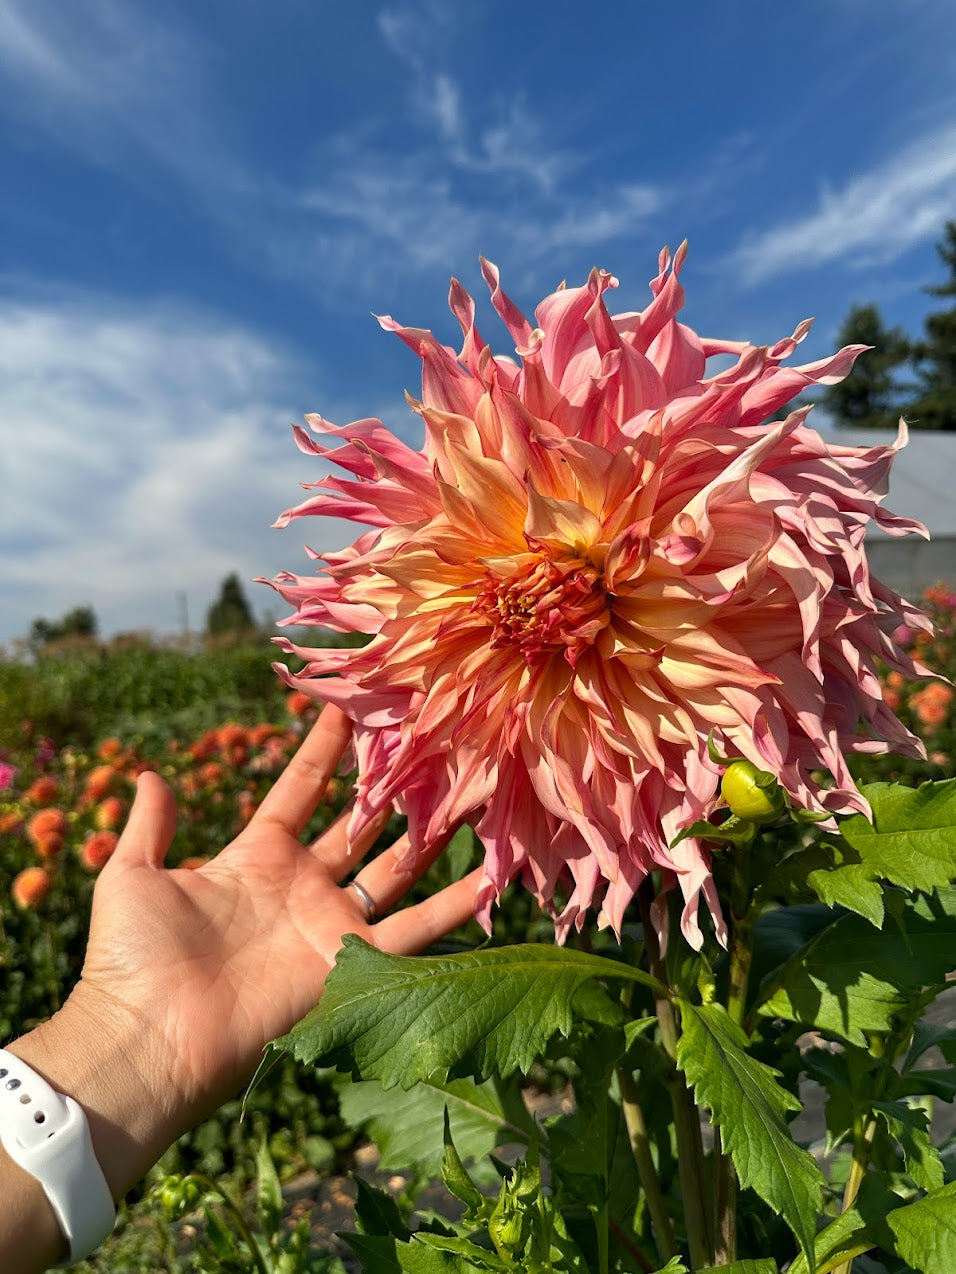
(217, 961)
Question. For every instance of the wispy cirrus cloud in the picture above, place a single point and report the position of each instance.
(873, 218)
(130, 91)
(117, 84)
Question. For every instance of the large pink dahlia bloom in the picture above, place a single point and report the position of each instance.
(602, 554)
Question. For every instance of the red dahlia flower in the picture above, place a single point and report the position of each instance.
(601, 554)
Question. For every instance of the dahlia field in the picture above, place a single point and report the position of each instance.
(611, 636)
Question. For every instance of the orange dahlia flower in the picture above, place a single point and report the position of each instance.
(30, 887)
(42, 791)
(46, 822)
(604, 551)
(100, 782)
(97, 850)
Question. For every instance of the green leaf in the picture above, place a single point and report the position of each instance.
(852, 887)
(917, 1083)
(456, 1178)
(476, 1258)
(853, 1232)
(459, 851)
(732, 831)
(268, 1191)
(926, 1231)
(925, 1036)
(910, 1128)
(406, 1125)
(850, 979)
(377, 1212)
(382, 1254)
(912, 839)
(635, 1029)
(400, 1019)
(674, 1266)
(748, 1105)
(762, 1266)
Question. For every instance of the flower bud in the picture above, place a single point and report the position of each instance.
(752, 794)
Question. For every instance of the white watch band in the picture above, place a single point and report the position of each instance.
(46, 1133)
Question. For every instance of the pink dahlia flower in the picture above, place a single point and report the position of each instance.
(602, 553)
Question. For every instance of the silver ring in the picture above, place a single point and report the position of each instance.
(371, 914)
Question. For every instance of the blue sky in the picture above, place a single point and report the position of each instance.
(203, 203)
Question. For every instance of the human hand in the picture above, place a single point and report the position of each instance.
(210, 964)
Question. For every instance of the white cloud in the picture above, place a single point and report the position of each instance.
(873, 219)
(144, 453)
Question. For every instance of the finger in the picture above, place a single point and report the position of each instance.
(410, 931)
(297, 791)
(332, 848)
(385, 882)
(150, 828)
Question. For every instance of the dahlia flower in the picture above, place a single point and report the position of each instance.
(603, 553)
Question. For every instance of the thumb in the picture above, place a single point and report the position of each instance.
(151, 825)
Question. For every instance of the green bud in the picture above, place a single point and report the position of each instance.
(753, 795)
(178, 1195)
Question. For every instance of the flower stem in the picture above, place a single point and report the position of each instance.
(741, 958)
(690, 1147)
(650, 1182)
(864, 1130)
(862, 1144)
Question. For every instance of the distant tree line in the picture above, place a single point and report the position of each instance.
(229, 616)
(877, 393)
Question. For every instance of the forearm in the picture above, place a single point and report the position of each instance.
(111, 1065)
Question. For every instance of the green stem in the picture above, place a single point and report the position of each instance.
(864, 1133)
(864, 1130)
(240, 1221)
(690, 1147)
(725, 1207)
(741, 959)
(650, 1182)
(604, 1246)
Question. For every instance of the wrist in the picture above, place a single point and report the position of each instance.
(95, 1052)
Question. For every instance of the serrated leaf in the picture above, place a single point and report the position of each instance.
(851, 887)
(400, 1019)
(850, 979)
(748, 1105)
(926, 1231)
(911, 1129)
(381, 1254)
(912, 839)
(377, 1212)
(406, 1125)
(674, 1266)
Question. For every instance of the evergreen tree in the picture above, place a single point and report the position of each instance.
(230, 613)
(79, 622)
(870, 395)
(935, 355)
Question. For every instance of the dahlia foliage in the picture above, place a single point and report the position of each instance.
(602, 554)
